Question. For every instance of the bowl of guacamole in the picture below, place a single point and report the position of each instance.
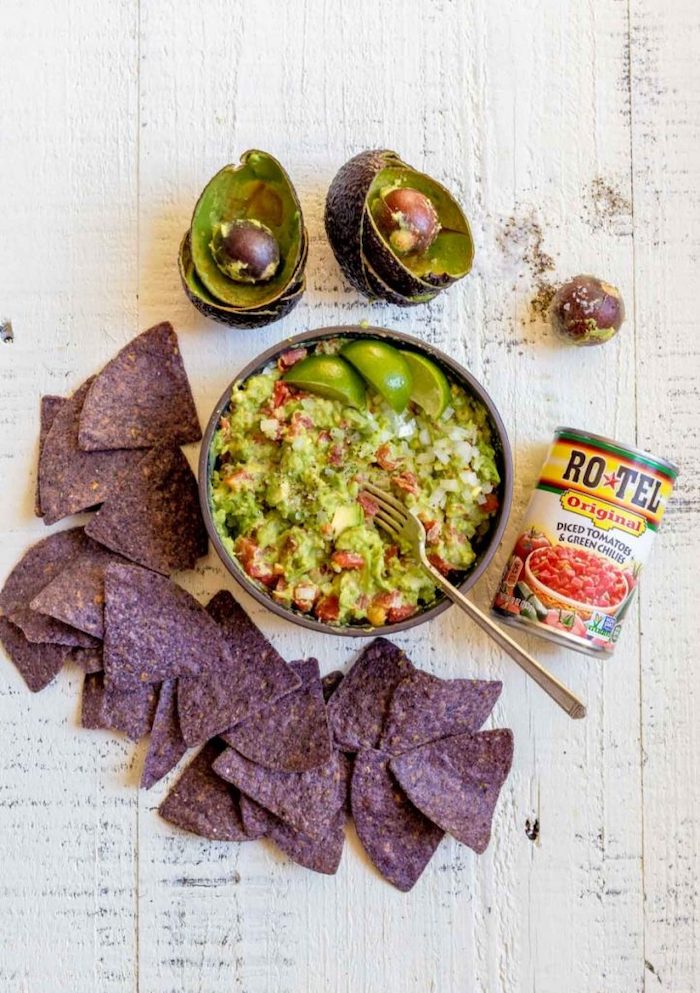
(281, 482)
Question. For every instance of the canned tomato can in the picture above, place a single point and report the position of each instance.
(588, 531)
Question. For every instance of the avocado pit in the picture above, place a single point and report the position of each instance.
(245, 251)
(408, 220)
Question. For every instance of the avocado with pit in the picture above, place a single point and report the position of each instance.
(397, 233)
(242, 260)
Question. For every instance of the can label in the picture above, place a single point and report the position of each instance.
(588, 531)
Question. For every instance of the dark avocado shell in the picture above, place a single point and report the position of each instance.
(260, 189)
(361, 249)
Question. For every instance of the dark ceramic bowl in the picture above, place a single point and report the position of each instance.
(454, 372)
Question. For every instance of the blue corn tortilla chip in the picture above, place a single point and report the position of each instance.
(141, 398)
(292, 733)
(250, 675)
(87, 659)
(424, 708)
(152, 516)
(38, 567)
(203, 803)
(331, 681)
(358, 708)
(455, 782)
(77, 595)
(129, 711)
(70, 479)
(50, 406)
(305, 800)
(167, 745)
(399, 840)
(318, 854)
(154, 630)
(37, 664)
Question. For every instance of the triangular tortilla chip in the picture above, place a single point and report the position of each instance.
(203, 803)
(399, 840)
(87, 659)
(141, 398)
(331, 681)
(307, 801)
(359, 705)
(152, 516)
(129, 711)
(77, 595)
(456, 781)
(318, 854)
(39, 566)
(425, 708)
(248, 677)
(50, 406)
(291, 734)
(167, 745)
(37, 664)
(70, 479)
(154, 630)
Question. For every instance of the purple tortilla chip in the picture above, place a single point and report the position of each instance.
(399, 840)
(50, 406)
(37, 664)
(88, 659)
(318, 854)
(141, 398)
(425, 708)
(330, 682)
(291, 734)
(39, 565)
(305, 800)
(203, 803)
(166, 746)
(69, 478)
(129, 711)
(154, 630)
(358, 708)
(77, 595)
(456, 781)
(152, 515)
(251, 674)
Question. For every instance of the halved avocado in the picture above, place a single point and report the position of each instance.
(246, 211)
(355, 209)
(379, 290)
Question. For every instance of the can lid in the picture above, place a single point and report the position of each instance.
(617, 448)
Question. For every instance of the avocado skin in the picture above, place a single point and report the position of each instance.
(245, 318)
(390, 270)
(345, 204)
(380, 291)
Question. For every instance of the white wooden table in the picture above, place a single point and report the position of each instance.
(571, 132)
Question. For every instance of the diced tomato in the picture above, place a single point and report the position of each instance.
(390, 607)
(490, 504)
(237, 480)
(579, 575)
(224, 423)
(305, 595)
(390, 552)
(368, 504)
(383, 457)
(299, 424)
(406, 481)
(327, 608)
(441, 564)
(290, 358)
(324, 437)
(432, 528)
(336, 456)
(251, 557)
(281, 393)
(347, 560)
(397, 614)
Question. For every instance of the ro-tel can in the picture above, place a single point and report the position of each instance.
(588, 531)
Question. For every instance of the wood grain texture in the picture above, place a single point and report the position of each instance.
(570, 132)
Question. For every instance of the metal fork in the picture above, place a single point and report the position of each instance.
(398, 522)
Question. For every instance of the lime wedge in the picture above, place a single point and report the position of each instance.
(431, 390)
(384, 368)
(328, 376)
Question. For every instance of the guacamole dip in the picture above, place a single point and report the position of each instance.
(286, 493)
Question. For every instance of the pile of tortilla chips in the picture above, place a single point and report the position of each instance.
(282, 753)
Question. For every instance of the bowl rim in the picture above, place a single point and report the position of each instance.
(459, 373)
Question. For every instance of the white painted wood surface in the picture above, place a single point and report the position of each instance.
(571, 131)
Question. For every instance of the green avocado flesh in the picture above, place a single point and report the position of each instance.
(257, 189)
(452, 252)
(285, 486)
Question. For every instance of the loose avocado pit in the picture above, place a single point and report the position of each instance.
(245, 251)
(408, 220)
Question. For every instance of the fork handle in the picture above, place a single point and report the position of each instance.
(549, 683)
